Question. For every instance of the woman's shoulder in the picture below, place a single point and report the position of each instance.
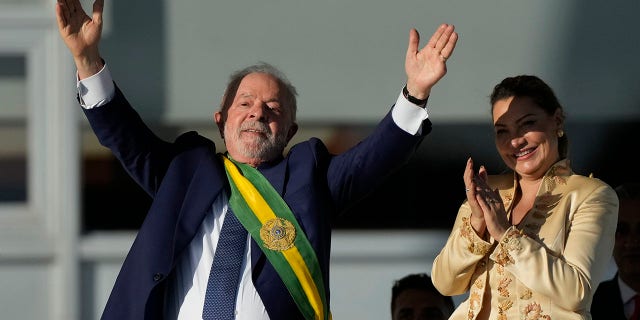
(562, 174)
(587, 182)
(590, 188)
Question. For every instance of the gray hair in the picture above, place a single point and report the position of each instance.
(288, 90)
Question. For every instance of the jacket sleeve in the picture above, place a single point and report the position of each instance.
(357, 171)
(454, 266)
(586, 243)
(143, 155)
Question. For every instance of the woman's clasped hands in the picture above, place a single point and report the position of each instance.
(487, 209)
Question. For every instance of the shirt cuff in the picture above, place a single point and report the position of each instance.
(97, 90)
(408, 116)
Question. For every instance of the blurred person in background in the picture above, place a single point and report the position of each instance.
(415, 298)
(619, 297)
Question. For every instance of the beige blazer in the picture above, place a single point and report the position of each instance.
(548, 266)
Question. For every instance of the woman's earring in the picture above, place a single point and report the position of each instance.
(560, 133)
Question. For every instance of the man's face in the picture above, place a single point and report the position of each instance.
(258, 125)
(626, 251)
(415, 304)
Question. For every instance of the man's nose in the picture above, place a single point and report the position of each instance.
(258, 110)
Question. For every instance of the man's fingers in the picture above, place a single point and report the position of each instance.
(63, 13)
(74, 6)
(433, 41)
(68, 11)
(61, 16)
(445, 34)
(414, 41)
(98, 8)
(447, 50)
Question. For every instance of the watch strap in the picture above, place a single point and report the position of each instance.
(412, 99)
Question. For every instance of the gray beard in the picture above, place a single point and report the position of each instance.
(266, 148)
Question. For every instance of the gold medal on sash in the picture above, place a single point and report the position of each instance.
(278, 234)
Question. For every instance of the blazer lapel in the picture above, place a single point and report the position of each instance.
(208, 180)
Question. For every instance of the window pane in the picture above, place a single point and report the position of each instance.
(111, 200)
(13, 125)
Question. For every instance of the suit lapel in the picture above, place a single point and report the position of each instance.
(208, 180)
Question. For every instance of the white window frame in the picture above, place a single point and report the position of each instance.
(44, 230)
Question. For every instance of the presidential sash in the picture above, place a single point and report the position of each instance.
(273, 226)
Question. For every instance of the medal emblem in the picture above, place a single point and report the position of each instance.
(278, 234)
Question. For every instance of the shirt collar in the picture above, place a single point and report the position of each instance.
(626, 292)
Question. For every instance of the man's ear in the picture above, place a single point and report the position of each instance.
(292, 131)
(217, 117)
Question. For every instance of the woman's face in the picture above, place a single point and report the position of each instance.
(526, 136)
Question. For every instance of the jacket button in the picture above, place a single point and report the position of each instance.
(158, 277)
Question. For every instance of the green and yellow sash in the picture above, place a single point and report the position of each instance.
(273, 226)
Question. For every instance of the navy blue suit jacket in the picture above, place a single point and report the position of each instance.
(185, 176)
(607, 301)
